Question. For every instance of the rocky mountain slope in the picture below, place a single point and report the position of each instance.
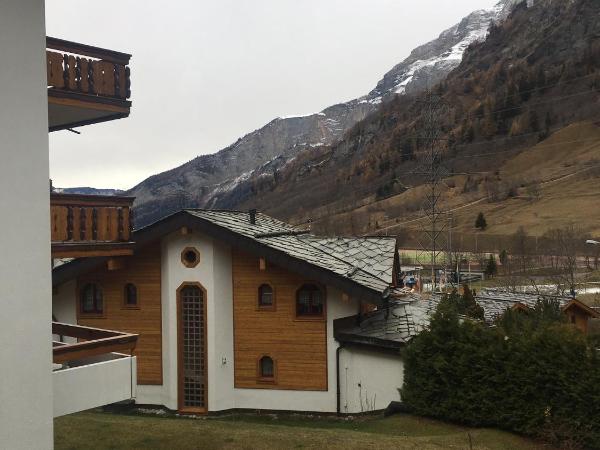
(226, 178)
(536, 74)
(87, 191)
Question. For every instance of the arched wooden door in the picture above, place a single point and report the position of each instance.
(191, 346)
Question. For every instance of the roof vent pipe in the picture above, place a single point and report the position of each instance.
(252, 214)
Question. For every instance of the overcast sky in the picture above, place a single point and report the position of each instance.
(206, 72)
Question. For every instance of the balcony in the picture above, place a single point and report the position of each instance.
(91, 367)
(86, 84)
(90, 225)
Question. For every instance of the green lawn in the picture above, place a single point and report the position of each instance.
(96, 430)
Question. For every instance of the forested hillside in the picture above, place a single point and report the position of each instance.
(535, 74)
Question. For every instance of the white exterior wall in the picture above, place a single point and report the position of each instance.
(25, 286)
(97, 384)
(369, 379)
(64, 306)
(214, 273)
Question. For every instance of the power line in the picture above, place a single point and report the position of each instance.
(433, 244)
(541, 144)
(528, 107)
(549, 86)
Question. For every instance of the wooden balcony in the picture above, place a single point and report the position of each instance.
(90, 342)
(85, 84)
(91, 367)
(90, 225)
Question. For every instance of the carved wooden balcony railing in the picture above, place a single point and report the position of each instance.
(86, 69)
(90, 225)
(85, 84)
(90, 342)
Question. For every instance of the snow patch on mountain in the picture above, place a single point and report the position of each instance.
(431, 62)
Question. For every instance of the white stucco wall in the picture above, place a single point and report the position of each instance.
(92, 385)
(214, 273)
(25, 286)
(64, 306)
(369, 380)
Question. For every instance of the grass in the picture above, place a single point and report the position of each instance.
(97, 430)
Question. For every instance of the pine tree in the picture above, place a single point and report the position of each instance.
(480, 222)
(491, 268)
(504, 257)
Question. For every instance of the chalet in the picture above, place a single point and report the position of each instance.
(407, 313)
(237, 310)
(496, 302)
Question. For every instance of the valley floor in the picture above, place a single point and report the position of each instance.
(97, 430)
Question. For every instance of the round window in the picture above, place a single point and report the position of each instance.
(190, 257)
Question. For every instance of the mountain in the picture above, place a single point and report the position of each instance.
(226, 178)
(518, 130)
(88, 191)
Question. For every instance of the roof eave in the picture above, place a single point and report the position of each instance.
(182, 219)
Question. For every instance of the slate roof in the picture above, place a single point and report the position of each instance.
(366, 261)
(360, 266)
(404, 317)
(495, 302)
(409, 313)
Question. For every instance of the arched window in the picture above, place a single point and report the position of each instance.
(91, 299)
(266, 298)
(309, 301)
(131, 295)
(266, 368)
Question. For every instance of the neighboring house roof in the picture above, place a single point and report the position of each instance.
(408, 313)
(360, 266)
(574, 303)
(390, 326)
(495, 301)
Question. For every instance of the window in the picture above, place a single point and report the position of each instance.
(266, 298)
(131, 295)
(91, 299)
(309, 301)
(266, 368)
(190, 257)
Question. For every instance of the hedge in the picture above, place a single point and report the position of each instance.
(531, 373)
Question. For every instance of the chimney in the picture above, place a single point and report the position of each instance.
(252, 214)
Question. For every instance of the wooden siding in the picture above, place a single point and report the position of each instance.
(298, 347)
(578, 318)
(143, 269)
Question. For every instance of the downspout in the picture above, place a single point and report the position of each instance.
(337, 375)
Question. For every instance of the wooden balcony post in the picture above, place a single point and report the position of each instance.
(127, 82)
(131, 220)
(69, 223)
(121, 230)
(82, 223)
(94, 224)
(66, 71)
(90, 75)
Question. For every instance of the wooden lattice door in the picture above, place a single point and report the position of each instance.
(193, 386)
